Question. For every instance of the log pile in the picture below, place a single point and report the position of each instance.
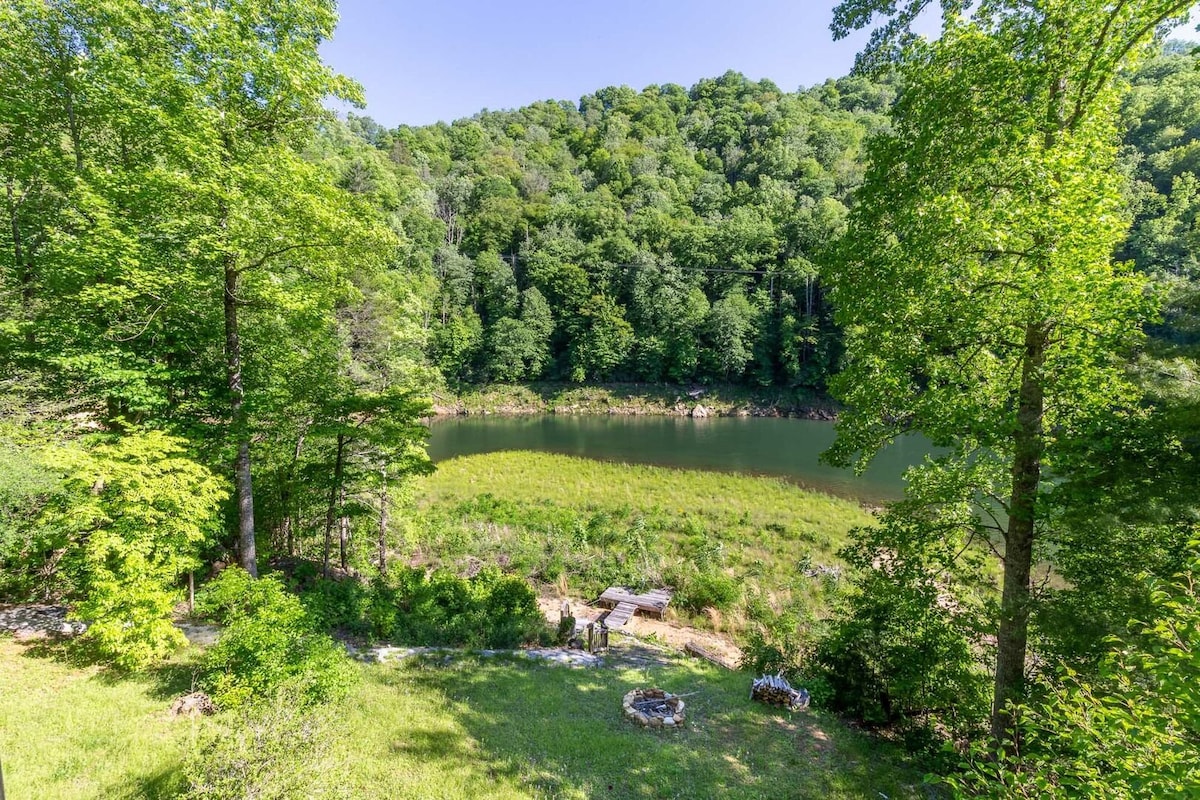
(774, 690)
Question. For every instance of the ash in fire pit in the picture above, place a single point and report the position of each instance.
(654, 708)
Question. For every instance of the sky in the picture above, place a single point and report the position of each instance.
(421, 61)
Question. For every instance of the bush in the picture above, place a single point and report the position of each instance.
(488, 610)
(132, 514)
(897, 653)
(269, 752)
(1129, 731)
(783, 643)
(270, 645)
(339, 605)
(708, 589)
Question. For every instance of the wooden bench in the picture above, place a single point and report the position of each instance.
(619, 615)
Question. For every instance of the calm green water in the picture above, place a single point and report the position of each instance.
(784, 447)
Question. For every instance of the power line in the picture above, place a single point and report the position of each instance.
(512, 258)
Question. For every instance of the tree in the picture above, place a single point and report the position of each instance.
(730, 330)
(1129, 733)
(539, 322)
(600, 339)
(131, 518)
(976, 286)
(263, 86)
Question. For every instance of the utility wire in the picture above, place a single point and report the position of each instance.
(512, 258)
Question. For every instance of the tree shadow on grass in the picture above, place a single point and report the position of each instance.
(561, 731)
(165, 783)
(164, 681)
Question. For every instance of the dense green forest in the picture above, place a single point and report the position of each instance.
(224, 310)
(679, 234)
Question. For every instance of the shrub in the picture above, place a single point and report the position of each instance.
(488, 610)
(270, 645)
(709, 589)
(783, 643)
(1129, 731)
(896, 653)
(339, 605)
(132, 513)
(269, 752)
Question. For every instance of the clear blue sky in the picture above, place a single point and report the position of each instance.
(422, 61)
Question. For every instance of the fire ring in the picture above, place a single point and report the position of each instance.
(653, 708)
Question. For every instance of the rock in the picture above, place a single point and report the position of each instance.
(669, 722)
(28, 634)
(195, 704)
(699, 412)
(658, 722)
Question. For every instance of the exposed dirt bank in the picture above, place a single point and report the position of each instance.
(632, 399)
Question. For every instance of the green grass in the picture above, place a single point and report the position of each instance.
(589, 524)
(473, 728)
(77, 732)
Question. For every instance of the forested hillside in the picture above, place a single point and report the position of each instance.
(676, 234)
(661, 235)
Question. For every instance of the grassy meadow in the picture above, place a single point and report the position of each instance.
(470, 728)
(722, 541)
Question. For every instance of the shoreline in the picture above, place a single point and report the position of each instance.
(630, 399)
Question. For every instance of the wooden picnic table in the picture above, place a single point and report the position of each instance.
(625, 604)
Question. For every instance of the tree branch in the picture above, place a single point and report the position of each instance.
(274, 253)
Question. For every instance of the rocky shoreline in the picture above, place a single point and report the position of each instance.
(628, 400)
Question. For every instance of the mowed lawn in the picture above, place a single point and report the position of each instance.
(470, 728)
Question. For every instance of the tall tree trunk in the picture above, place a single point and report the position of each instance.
(18, 257)
(331, 511)
(237, 405)
(384, 519)
(22, 260)
(1012, 637)
(72, 117)
(285, 494)
(343, 533)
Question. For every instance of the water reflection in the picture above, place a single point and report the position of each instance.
(788, 448)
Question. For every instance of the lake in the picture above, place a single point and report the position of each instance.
(787, 448)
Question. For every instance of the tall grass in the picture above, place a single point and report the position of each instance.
(584, 525)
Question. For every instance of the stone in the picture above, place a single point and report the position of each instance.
(28, 634)
(193, 705)
(699, 412)
(669, 722)
(657, 722)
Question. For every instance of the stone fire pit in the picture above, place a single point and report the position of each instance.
(653, 708)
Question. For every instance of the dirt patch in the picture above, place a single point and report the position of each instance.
(665, 632)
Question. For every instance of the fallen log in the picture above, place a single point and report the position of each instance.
(701, 652)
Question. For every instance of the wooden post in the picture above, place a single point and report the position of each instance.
(191, 610)
(591, 633)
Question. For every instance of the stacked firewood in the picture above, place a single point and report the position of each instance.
(775, 691)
